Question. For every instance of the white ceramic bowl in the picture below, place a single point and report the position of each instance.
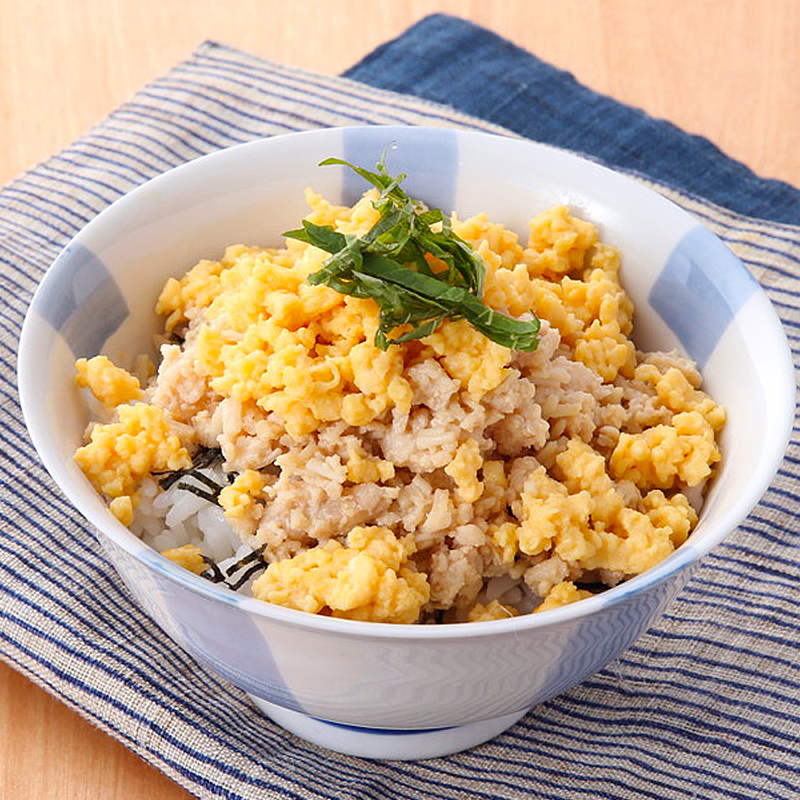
(402, 691)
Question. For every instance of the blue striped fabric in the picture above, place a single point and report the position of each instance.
(706, 704)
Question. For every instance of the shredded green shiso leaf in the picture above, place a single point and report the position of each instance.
(388, 265)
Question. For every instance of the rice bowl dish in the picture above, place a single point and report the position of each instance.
(277, 448)
(403, 690)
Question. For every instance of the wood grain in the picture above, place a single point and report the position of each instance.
(722, 68)
(47, 752)
(725, 69)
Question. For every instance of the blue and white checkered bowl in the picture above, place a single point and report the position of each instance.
(403, 691)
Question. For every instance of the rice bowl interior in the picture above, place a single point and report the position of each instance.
(446, 479)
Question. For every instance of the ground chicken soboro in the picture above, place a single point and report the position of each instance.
(397, 485)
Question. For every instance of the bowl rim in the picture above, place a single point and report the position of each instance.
(107, 525)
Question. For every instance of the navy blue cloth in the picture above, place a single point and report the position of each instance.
(452, 61)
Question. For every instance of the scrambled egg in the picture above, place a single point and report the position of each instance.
(677, 394)
(562, 594)
(493, 610)
(469, 357)
(108, 383)
(368, 579)
(238, 498)
(664, 455)
(119, 455)
(584, 520)
(362, 468)
(122, 508)
(463, 469)
(189, 556)
(593, 313)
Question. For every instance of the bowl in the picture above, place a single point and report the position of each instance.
(382, 690)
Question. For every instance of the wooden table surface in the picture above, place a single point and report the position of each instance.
(726, 69)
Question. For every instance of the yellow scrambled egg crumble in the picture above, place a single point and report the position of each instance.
(493, 610)
(122, 508)
(463, 469)
(677, 394)
(189, 556)
(111, 385)
(664, 455)
(562, 594)
(240, 496)
(362, 468)
(120, 454)
(592, 313)
(585, 521)
(368, 579)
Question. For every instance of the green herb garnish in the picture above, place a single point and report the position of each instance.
(389, 266)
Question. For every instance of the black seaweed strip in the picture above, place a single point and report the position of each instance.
(204, 457)
(212, 484)
(216, 573)
(170, 477)
(256, 555)
(212, 498)
(246, 575)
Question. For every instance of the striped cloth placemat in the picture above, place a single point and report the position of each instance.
(706, 704)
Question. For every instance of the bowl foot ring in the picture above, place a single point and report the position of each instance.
(385, 743)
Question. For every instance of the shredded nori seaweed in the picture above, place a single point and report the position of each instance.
(212, 572)
(204, 457)
(214, 488)
(253, 562)
(250, 572)
(209, 490)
